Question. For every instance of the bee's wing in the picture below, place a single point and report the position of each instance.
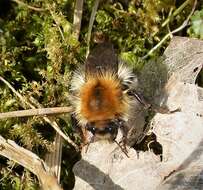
(102, 59)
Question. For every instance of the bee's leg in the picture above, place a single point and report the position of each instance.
(123, 149)
(164, 110)
(91, 141)
(124, 131)
(138, 154)
(84, 135)
(123, 141)
(81, 131)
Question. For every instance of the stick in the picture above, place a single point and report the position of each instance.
(36, 112)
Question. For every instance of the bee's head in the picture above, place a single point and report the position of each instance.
(104, 129)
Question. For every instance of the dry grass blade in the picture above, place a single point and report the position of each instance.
(77, 18)
(92, 17)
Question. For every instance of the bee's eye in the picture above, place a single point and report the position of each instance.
(90, 127)
(112, 127)
(108, 129)
(92, 130)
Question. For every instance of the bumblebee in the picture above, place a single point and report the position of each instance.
(101, 93)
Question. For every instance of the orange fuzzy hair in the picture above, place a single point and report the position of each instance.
(101, 99)
(98, 98)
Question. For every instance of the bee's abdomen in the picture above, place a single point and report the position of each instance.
(102, 59)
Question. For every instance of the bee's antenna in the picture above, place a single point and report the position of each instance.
(123, 150)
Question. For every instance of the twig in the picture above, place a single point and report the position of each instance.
(28, 6)
(168, 27)
(37, 112)
(184, 24)
(92, 18)
(52, 123)
(187, 20)
(61, 32)
(77, 17)
(29, 160)
(176, 12)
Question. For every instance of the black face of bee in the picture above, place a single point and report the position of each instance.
(109, 129)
